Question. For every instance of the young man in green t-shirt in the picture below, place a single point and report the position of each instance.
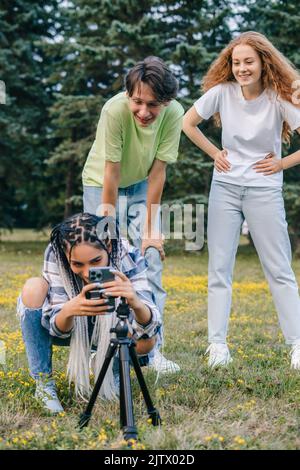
(137, 135)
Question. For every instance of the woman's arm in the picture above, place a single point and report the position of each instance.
(293, 159)
(79, 306)
(122, 287)
(142, 313)
(272, 164)
(191, 120)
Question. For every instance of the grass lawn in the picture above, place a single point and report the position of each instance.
(253, 404)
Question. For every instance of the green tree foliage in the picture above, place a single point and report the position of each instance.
(102, 40)
(24, 120)
(62, 60)
(193, 33)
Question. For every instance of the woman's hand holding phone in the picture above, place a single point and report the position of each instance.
(80, 305)
(122, 287)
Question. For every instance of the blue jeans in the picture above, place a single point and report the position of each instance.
(263, 208)
(38, 341)
(131, 212)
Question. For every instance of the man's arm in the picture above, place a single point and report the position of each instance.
(112, 174)
(156, 181)
(167, 152)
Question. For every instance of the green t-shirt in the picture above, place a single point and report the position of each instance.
(120, 139)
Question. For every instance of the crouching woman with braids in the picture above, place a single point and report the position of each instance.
(54, 309)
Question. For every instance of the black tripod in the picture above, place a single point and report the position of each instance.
(126, 347)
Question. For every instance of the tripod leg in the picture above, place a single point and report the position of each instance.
(86, 415)
(121, 398)
(126, 405)
(152, 411)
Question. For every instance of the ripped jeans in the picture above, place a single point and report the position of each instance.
(39, 342)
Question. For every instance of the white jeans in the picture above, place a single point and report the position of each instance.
(263, 208)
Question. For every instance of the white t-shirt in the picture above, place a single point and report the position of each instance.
(251, 129)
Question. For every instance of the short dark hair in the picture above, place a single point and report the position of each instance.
(155, 73)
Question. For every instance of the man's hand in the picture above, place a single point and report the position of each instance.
(269, 165)
(157, 242)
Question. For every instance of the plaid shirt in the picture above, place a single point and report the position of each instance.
(132, 265)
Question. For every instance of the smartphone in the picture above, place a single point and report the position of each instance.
(101, 275)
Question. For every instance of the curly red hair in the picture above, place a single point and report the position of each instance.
(278, 73)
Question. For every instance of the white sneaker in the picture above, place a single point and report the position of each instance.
(295, 353)
(46, 394)
(219, 355)
(160, 364)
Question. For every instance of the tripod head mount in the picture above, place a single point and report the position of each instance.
(126, 348)
(123, 310)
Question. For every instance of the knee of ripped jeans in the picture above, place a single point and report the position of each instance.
(34, 292)
(23, 311)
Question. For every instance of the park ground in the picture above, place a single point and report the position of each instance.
(253, 404)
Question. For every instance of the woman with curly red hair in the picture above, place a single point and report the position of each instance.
(249, 91)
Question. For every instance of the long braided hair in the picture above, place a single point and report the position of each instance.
(103, 233)
(85, 228)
